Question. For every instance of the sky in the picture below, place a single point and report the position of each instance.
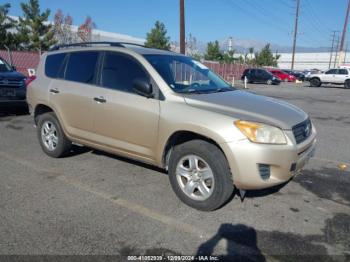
(208, 20)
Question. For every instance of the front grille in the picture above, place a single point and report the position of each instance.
(302, 131)
(10, 83)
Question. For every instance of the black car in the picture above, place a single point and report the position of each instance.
(12, 86)
(298, 75)
(256, 75)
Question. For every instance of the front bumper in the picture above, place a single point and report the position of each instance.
(284, 161)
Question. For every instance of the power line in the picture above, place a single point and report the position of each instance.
(257, 16)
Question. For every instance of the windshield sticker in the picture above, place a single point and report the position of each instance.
(200, 65)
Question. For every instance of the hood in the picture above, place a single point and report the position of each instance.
(250, 107)
(11, 75)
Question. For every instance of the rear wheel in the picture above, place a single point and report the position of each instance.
(199, 175)
(347, 84)
(315, 82)
(51, 136)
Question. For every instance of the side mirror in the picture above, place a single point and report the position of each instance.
(14, 68)
(143, 88)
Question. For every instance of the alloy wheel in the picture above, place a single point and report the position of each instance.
(195, 177)
(49, 135)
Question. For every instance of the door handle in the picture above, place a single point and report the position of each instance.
(54, 91)
(100, 99)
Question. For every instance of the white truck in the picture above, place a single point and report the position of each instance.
(337, 76)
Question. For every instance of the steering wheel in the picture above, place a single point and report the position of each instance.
(194, 85)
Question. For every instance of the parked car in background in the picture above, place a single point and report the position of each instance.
(142, 103)
(297, 74)
(257, 75)
(12, 86)
(336, 76)
(283, 75)
(309, 72)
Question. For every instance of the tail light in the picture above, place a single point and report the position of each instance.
(29, 80)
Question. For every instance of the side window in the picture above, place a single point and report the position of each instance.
(119, 72)
(331, 72)
(53, 64)
(259, 72)
(81, 67)
(342, 71)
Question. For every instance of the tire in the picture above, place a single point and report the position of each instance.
(315, 82)
(218, 185)
(347, 84)
(269, 82)
(55, 143)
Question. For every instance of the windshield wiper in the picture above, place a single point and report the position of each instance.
(193, 91)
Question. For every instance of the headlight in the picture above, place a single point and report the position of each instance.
(261, 133)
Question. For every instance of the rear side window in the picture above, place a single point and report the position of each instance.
(81, 67)
(119, 72)
(53, 64)
(342, 72)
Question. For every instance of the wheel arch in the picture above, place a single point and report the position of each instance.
(179, 137)
(41, 109)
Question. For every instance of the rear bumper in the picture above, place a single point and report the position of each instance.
(284, 161)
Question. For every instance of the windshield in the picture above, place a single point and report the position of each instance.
(185, 75)
(4, 67)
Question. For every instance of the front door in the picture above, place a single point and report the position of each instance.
(329, 76)
(123, 119)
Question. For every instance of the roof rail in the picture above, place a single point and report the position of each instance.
(118, 44)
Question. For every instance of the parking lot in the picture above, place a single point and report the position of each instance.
(99, 204)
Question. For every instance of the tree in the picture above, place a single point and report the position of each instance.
(63, 28)
(35, 33)
(265, 57)
(7, 38)
(157, 37)
(191, 45)
(213, 52)
(229, 57)
(85, 29)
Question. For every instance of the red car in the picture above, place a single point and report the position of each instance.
(283, 75)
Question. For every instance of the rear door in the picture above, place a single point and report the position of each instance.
(72, 93)
(125, 120)
(341, 75)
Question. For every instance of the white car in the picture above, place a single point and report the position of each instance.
(338, 76)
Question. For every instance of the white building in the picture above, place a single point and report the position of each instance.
(309, 60)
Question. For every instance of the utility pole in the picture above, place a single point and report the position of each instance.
(343, 36)
(230, 44)
(182, 27)
(331, 56)
(346, 52)
(336, 52)
(295, 32)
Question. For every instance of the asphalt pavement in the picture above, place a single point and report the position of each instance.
(94, 203)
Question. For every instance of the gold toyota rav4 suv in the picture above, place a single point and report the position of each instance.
(171, 111)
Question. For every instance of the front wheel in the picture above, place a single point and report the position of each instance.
(315, 82)
(199, 175)
(269, 82)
